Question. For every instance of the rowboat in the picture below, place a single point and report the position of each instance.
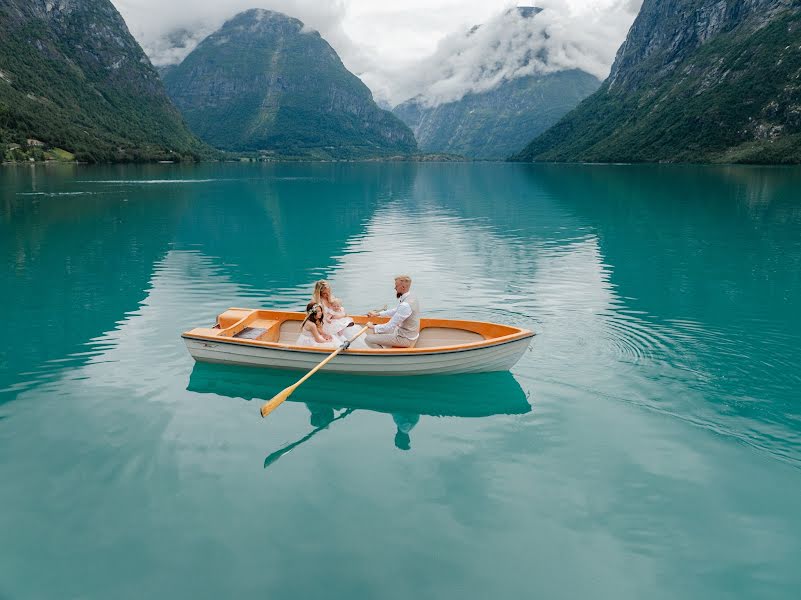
(266, 338)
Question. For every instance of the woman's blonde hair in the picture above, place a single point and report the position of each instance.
(317, 294)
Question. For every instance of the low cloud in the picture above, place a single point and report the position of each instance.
(168, 30)
(392, 45)
(512, 44)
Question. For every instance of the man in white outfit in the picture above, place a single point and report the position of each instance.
(403, 328)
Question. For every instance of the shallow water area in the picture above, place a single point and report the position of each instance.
(648, 444)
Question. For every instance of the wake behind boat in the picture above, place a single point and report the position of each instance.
(266, 338)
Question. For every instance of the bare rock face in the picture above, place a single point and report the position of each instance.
(695, 81)
(668, 33)
(263, 82)
(75, 78)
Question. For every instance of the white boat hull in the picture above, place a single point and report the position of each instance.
(497, 357)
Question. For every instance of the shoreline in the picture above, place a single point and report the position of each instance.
(393, 159)
(50, 163)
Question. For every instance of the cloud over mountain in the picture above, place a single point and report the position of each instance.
(392, 46)
(515, 43)
(169, 30)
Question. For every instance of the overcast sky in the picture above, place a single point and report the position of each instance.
(404, 48)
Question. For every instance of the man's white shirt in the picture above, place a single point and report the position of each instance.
(399, 314)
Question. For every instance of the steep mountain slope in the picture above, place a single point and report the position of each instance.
(72, 76)
(262, 82)
(695, 81)
(497, 123)
(513, 91)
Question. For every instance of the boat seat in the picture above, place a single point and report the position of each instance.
(289, 332)
(432, 337)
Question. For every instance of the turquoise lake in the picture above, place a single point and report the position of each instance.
(647, 446)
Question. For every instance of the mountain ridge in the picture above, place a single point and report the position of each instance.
(73, 77)
(695, 81)
(494, 123)
(265, 83)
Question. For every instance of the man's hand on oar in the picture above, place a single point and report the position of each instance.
(375, 313)
(279, 398)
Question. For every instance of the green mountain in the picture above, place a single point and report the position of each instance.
(493, 123)
(695, 81)
(73, 77)
(263, 82)
(496, 123)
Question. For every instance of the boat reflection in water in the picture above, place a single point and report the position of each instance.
(332, 397)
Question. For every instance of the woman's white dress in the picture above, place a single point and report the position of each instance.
(307, 339)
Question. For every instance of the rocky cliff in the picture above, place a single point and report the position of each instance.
(695, 81)
(73, 77)
(263, 82)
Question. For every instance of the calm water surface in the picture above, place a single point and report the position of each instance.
(648, 446)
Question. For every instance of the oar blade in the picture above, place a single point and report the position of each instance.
(278, 454)
(280, 397)
(270, 406)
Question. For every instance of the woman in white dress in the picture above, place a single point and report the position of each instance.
(336, 321)
(311, 330)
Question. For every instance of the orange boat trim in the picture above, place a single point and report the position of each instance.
(235, 320)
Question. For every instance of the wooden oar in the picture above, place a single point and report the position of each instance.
(289, 447)
(287, 392)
